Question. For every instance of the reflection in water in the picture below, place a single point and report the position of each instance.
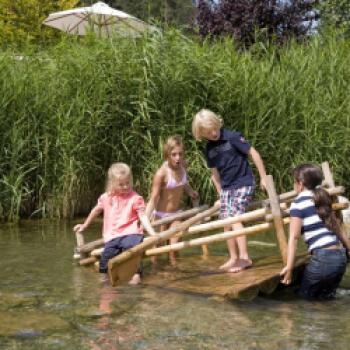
(38, 278)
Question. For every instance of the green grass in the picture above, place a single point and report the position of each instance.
(68, 112)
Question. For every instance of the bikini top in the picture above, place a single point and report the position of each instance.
(172, 183)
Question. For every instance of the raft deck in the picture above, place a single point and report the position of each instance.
(199, 275)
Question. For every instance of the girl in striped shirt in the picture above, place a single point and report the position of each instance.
(313, 219)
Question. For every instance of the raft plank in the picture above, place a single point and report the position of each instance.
(200, 276)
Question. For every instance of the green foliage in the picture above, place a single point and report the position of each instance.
(21, 20)
(68, 112)
(335, 13)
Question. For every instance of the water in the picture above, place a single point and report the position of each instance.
(47, 302)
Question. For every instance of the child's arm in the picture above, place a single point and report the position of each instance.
(93, 214)
(190, 192)
(155, 193)
(146, 223)
(215, 177)
(345, 240)
(294, 234)
(255, 155)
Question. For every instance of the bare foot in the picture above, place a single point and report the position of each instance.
(240, 265)
(136, 279)
(104, 278)
(228, 264)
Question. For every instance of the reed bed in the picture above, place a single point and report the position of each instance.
(69, 111)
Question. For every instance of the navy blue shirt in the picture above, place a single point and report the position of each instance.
(229, 155)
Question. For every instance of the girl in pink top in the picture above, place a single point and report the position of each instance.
(169, 185)
(122, 208)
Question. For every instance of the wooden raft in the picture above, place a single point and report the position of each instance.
(200, 274)
(195, 275)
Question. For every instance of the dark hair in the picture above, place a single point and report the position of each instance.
(311, 177)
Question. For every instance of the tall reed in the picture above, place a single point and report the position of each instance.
(68, 112)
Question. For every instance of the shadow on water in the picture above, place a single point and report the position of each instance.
(47, 302)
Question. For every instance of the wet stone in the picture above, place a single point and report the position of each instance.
(12, 300)
(29, 324)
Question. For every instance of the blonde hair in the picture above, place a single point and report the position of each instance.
(170, 144)
(116, 172)
(205, 119)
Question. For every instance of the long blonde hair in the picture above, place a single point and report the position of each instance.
(116, 172)
(205, 119)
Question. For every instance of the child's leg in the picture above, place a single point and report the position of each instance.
(173, 240)
(232, 249)
(234, 202)
(244, 260)
(323, 274)
(126, 243)
(111, 249)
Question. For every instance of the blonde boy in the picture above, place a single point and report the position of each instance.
(227, 154)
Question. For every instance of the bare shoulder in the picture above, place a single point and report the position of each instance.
(160, 175)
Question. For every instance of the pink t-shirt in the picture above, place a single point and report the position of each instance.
(120, 214)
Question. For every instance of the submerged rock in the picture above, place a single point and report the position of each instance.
(11, 300)
(30, 323)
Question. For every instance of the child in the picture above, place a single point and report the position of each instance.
(227, 153)
(312, 217)
(122, 208)
(169, 184)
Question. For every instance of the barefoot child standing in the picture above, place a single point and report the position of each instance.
(170, 182)
(122, 208)
(227, 154)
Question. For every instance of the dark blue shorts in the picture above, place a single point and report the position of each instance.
(116, 246)
(323, 274)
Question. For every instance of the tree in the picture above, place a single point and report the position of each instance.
(246, 20)
(21, 20)
(335, 13)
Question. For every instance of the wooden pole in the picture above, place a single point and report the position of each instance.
(88, 247)
(277, 217)
(328, 177)
(80, 242)
(206, 227)
(205, 249)
(214, 238)
(87, 261)
(246, 217)
(119, 268)
(289, 196)
(180, 216)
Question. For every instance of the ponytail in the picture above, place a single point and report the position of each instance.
(311, 177)
(323, 204)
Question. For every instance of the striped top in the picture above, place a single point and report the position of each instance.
(314, 231)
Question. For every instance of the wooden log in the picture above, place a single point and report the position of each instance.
(97, 252)
(205, 249)
(258, 214)
(277, 217)
(88, 247)
(119, 268)
(80, 242)
(289, 196)
(180, 216)
(328, 177)
(213, 238)
(87, 261)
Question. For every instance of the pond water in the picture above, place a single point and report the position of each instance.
(48, 302)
